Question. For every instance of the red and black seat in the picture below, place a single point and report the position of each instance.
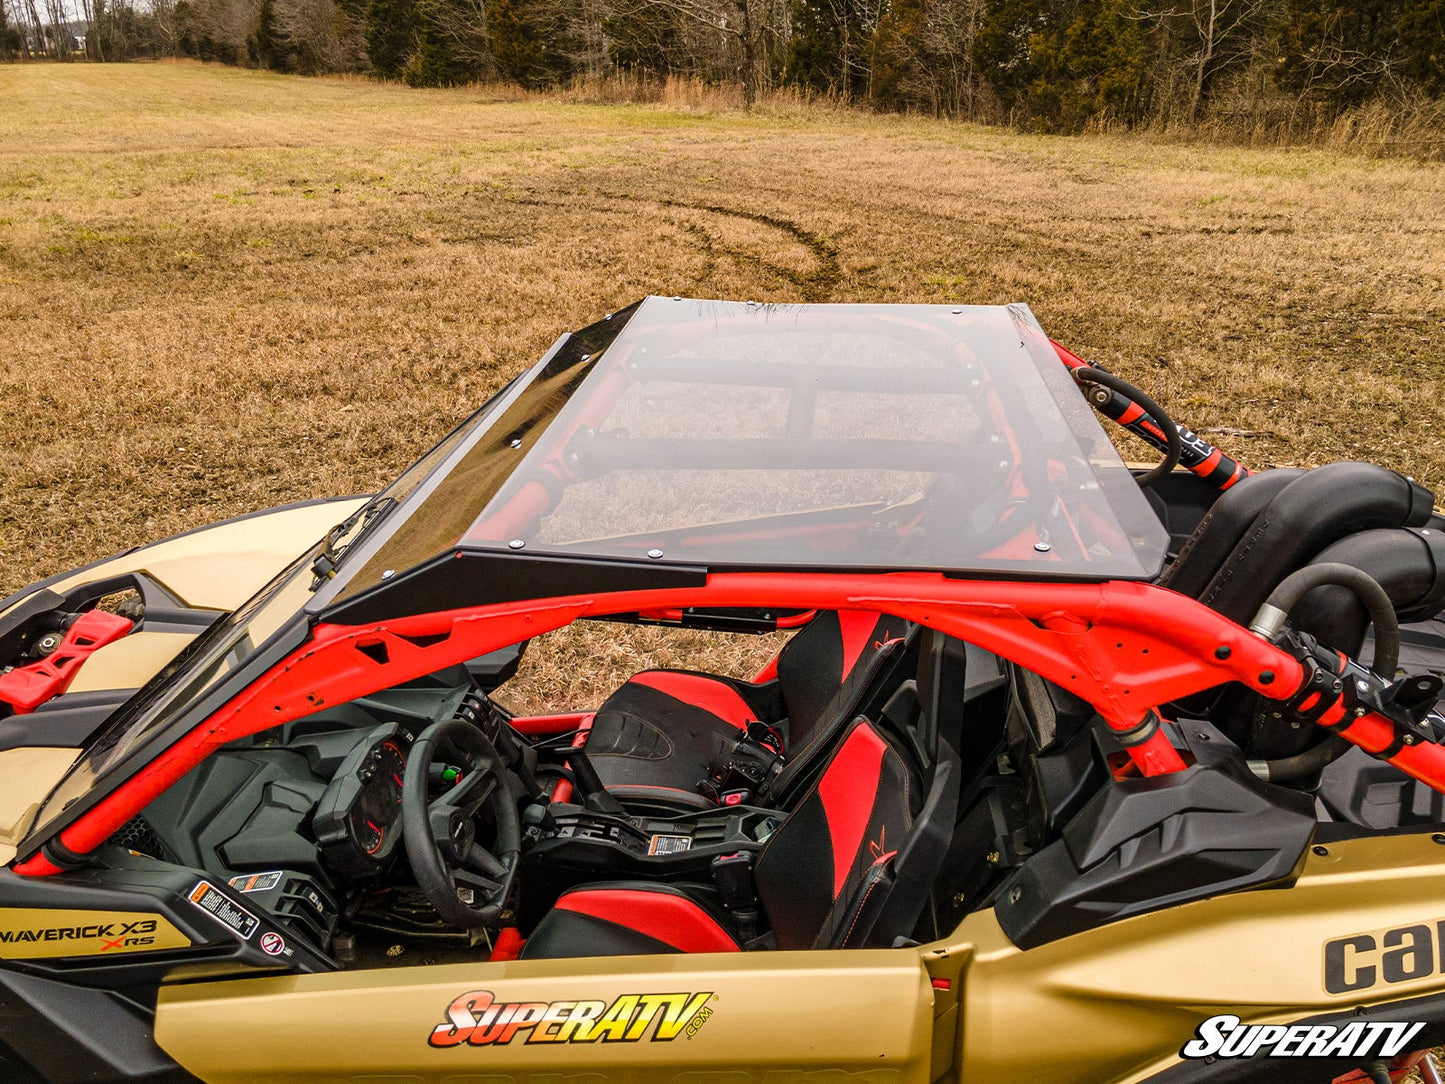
(842, 871)
(665, 734)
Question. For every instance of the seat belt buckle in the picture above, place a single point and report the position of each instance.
(732, 875)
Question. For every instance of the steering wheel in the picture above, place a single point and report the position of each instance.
(440, 833)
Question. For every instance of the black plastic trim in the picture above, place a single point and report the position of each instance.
(467, 578)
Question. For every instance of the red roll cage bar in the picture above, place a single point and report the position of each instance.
(1125, 647)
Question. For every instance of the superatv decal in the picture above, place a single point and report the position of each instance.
(29, 932)
(1398, 954)
(1224, 1037)
(477, 1019)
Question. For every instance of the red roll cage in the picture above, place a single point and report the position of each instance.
(1125, 647)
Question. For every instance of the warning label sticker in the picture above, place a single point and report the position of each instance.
(256, 882)
(211, 899)
(669, 844)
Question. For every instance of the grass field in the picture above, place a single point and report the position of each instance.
(222, 289)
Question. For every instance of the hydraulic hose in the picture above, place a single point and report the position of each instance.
(1271, 616)
(1313, 759)
(1174, 446)
(1270, 620)
(1408, 562)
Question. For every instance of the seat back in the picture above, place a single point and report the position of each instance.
(823, 675)
(827, 656)
(828, 876)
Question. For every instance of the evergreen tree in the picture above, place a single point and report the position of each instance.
(392, 29)
(265, 47)
(830, 48)
(433, 62)
(530, 40)
(1422, 36)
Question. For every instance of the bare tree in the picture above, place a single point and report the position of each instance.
(1222, 32)
(462, 24)
(323, 38)
(755, 28)
(167, 26)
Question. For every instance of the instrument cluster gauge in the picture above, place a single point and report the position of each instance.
(358, 819)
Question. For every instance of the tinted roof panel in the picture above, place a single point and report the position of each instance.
(725, 434)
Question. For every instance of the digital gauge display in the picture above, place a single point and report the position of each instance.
(377, 810)
(358, 820)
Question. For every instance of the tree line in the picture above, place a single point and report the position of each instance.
(1059, 65)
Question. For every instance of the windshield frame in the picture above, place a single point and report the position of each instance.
(150, 721)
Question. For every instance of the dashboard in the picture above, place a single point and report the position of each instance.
(358, 818)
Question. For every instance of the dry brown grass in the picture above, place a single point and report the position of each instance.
(223, 289)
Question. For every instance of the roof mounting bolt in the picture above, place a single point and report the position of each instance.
(750, 304)
(608, 316)
(957, 312)
(677, 297)
(515, 544)
(654, 553)
(516, 442)
(388, 573)
(1042, 547)
(586, 357)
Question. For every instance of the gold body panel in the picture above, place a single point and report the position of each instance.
(28, 933)
(1116, 1003)
(1112, 1004)
(26, 776)
(220, 567)
(782, 1016)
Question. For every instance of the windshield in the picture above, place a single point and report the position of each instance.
(715, 435)
(722, 435)
(213, 656)
(231, 642)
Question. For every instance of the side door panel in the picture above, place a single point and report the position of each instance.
(864, 1016)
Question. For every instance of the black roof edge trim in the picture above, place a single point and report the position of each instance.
(465, 578)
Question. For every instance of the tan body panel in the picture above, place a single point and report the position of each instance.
(129, 663)
(28, 933)
(1120, 1000)
(1113, 1004)
(779, 1016)
(220, 567)
(213, 568)
(26, 777)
